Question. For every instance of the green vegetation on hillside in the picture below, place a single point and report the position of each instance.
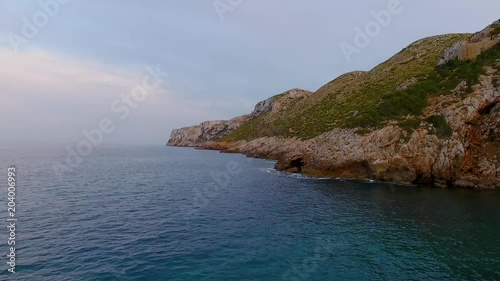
(496, 30)
(441, 127)
(442, 80)
(409, 125)
(368, 100)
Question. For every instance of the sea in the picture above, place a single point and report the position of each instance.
(126, 212)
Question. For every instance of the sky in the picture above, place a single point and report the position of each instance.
(67, 65)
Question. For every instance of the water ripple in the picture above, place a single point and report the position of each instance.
(123, 218)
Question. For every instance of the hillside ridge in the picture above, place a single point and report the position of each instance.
(430, 114)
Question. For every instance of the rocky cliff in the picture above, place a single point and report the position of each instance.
(474, 45)
(199, 135)
(196, 136)
(405, 121)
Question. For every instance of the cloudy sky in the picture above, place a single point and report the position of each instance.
(64, 64)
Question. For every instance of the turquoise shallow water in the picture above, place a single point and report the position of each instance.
(156, 213)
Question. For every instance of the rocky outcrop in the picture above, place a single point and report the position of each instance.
(474, 45)
(407, 84)
(279, 102)
(197, 136)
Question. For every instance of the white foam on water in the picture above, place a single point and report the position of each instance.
(303, 177)
(290, 175)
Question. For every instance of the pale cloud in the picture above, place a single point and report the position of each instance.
(50, 97)
(37, 71)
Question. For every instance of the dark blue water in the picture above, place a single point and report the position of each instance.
(156, 213)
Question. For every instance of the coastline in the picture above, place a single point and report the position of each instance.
(425, 116)
(466, 158)
(325, 175)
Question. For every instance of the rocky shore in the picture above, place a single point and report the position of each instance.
(453, 142)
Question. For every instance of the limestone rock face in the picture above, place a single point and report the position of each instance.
(474, 46)
(454, 52)
(209, 131)
(263, 106)
(185, 136)
(276, 103)
(407, 84)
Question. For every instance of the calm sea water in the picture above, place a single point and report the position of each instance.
(157, 213)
